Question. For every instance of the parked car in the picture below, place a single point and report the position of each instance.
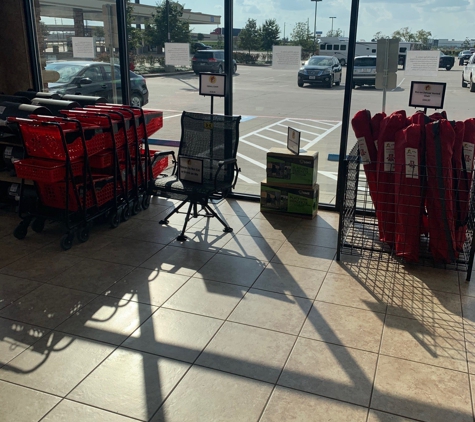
(446, 62)
(95, 78)
(320, 70)
(200, 46)
(464, 56)
(210, 61)
(364, 71)
(468, 74)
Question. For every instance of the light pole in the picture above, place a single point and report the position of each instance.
(315, 27)
(332, 17)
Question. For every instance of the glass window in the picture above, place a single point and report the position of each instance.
(336, 47)
(329, 46)
(343, 47)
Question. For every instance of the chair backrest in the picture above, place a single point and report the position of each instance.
(210, 138)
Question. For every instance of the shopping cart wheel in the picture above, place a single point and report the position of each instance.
(21, 230)
(83, 234)
(114, 219)
(126, 212)
(67, 241)
(137, 207)
(146, 201)
(38, 225)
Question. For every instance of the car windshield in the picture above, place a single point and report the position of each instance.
(66, 71)
(320, 61)
(365, 61)
(204, 55)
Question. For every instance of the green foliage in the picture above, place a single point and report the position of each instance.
(335, 33)
(421, 36)
(250, 36)
(241, 57)
(467, 43)
(270, 31)
(301, 36)
(380, 36)
(200, 37)
(156, 31)
(134, 34)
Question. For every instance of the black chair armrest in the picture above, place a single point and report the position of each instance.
(161, 154)
(225, 162)
(222, 163)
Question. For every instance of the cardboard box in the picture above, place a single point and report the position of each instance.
(286, 168)
(288, 200)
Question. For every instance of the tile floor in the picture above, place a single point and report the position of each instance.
(259, 325)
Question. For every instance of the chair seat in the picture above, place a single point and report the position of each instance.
(164, 186)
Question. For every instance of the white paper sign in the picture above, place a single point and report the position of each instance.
(212, 84)
(389, 157)
(468, 152)
(427, 94)
(191, 170)
(412, 161)
(286, 57)
(293, 140)
(83, 47)
(422, 63)
(177, 54)
(364, 154)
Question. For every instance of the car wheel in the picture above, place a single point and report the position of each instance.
(448, 67)
(464, 84)
(136, 100)
(472, 84)
(197, 73)
(220, 69)
(235, 68)
(353, 85)
(330, 84)
(300, 83)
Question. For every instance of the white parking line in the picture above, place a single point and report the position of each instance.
(320, 137)
(246, 179)
(271, 139)
(251, 160)
(175, 115)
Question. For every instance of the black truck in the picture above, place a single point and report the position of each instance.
(446, 62)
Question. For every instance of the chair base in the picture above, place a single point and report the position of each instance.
(194, 213)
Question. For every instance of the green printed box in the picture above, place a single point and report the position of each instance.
(286, 168)
(287, 200)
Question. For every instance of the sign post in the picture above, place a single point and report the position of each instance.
(212, 84)
(386, 66)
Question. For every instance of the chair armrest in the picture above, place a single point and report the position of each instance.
(161, 154)
(222, 163)
(228, 161)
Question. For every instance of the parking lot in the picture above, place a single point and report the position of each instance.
(269, 101)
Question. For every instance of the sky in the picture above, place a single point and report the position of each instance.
(445, 19)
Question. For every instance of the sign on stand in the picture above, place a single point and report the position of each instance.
(191, 169)
(427, 94)
(212, 84)
(177, 54)
(293, 140)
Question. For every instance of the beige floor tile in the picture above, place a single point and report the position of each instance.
(107, 319)
(91, 275)
(153, 210)
(425, 305)
(467, 288)
(174, 334)
(291, 405)
(71, 411)
(423, 392)
(272, 310)
(376, 416)
(345, 290)
(56, 364)
(231, 269)
(203, 239)
(434, 278)
(47, 306)
(176, 220)
(241, 208)
(314, 235)
(205, 297)
(248, 351)
(128, 251)
(43, 265)
(20, 404)
(425, 342)
(99, 238)
(130, 383)
(176, 260)
(208, 395)
(294, 281)
(236, 222)
(269, 228)
(13, 288)
(345, 326)
(331, 371)
(153, 231)
(325, 219)
(16, 250)
(468, 306)
(252, 247)
(305, 256)
(15, 337)
(147, 286)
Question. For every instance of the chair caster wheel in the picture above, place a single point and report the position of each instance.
(228, 230)
(181, 238)
(163, 222)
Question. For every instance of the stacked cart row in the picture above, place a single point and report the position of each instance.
(86, 164)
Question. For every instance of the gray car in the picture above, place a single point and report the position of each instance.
(364, 71)
(209, 61)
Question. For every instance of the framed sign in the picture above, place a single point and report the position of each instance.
(427, 94)
(293, 140)
(191, 169)
(213, 84)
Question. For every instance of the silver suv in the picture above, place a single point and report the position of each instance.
(209, 61)
(364, 71)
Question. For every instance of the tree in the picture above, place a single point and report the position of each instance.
(270, 32)
(156, 31)
(200, 37)
(467, 43)
(379, 36)
(302, 36)
(423, 37)
(134, 34)
(335, 33)
(404, 34)
(250, 36)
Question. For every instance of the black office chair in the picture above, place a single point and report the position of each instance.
(205, 168)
